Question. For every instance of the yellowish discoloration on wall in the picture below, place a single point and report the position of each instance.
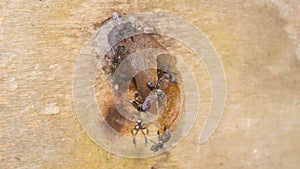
(40, 42)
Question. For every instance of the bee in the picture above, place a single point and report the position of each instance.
(139, 126)
(117, 53)
(165, 137)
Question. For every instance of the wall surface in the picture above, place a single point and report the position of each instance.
(258, 43)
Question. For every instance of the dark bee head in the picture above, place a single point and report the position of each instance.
(128, 27)
(139, 108)
(151, 85)
(171, 78)
(120, 49)
(121, 32)
(160, 72)
(173, 81)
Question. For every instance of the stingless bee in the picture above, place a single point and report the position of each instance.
(139, 126)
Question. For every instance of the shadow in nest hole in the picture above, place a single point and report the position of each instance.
(168, 118)
(116, 120)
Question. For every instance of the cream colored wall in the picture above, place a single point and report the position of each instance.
(257, 41)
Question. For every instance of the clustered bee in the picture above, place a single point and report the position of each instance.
(165, 137)
(117, 56)
(139, 126)
(121, 31)
(162, 138)
(141, 104)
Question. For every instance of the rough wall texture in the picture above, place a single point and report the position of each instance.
(40, 41)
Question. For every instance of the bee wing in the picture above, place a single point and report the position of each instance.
(155, 103)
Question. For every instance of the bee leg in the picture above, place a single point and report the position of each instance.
(152, 141)
(166, 135)
(146, 141)
(158, 134)
(147, 130)
(134, 134)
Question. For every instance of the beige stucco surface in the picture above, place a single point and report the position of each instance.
(258, 43)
